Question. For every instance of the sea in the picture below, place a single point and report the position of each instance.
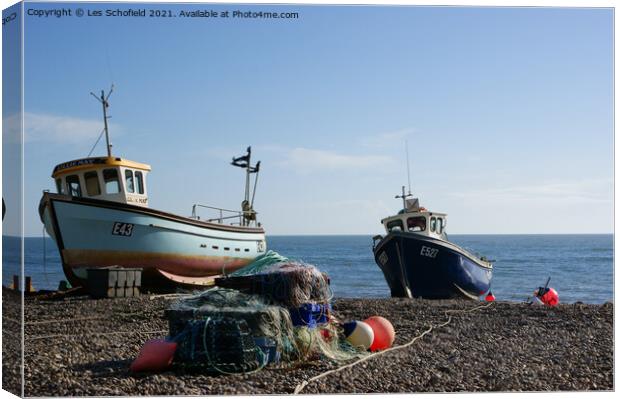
(580, 266)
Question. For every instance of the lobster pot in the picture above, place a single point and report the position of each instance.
(224, 345)
(262, 322)
(269, 347)
(270, 326)
(203, 324)
(290, 285)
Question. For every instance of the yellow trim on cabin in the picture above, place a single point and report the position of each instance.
(110, 161)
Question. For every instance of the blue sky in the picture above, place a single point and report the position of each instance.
(508, 112)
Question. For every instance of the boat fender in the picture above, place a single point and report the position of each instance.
(548, 296)
(383, 333)
(490, 297)
(358, 334)
(155, 355)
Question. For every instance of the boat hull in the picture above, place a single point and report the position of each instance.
(420, 266)
(170, 249)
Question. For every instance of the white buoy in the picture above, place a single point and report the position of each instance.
(358, 333)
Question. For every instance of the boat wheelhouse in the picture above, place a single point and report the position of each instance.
(419, 221)
(104, 178)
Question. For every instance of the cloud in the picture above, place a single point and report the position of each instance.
(387, 139)
(582, 191)
(308, 160)
(54, 128)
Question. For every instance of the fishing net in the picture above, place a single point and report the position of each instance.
(265, 321)
(260, 263)
(272, 311)
(281, 281)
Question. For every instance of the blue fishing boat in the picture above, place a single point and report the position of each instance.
(417, 259)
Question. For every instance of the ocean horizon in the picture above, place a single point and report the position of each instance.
(580, 265)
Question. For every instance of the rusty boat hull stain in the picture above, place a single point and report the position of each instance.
(170, 249)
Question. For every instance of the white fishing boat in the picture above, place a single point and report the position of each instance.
(100, 217)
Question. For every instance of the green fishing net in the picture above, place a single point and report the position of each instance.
(242, 330)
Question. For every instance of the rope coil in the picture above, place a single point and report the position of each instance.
(448, 313)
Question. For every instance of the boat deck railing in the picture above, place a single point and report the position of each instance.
(224, 214)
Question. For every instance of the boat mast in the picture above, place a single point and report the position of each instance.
(105, 104)
(255, 170)
(246, 206)
(247, 176)
(408, 172)
(404, 196)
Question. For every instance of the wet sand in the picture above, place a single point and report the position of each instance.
(83, 347)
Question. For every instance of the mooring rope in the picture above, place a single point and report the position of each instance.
(448, 313)
(37, 337)
(169, 296)
(74, 319)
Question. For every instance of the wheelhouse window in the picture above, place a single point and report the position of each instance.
(92, 183)
(129, 181)
(416, 223)
(434, 224)
(59, 187)
(439, 225)
(110, 179)
(140, 182)
(73, 186)
(395, 225)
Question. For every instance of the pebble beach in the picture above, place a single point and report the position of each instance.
(83, 347)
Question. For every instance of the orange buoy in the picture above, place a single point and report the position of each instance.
(490, 297)
(548, 296)
(383, 331)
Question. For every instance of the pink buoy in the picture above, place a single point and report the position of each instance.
(156, 355)
(383, 330)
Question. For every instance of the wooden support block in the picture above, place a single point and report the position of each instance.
(114, 282)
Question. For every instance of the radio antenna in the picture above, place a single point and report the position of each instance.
(104, 103)
(408, 171)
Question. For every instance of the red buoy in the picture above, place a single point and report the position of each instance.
(383, 333)
(490, 297)
(549, 297)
